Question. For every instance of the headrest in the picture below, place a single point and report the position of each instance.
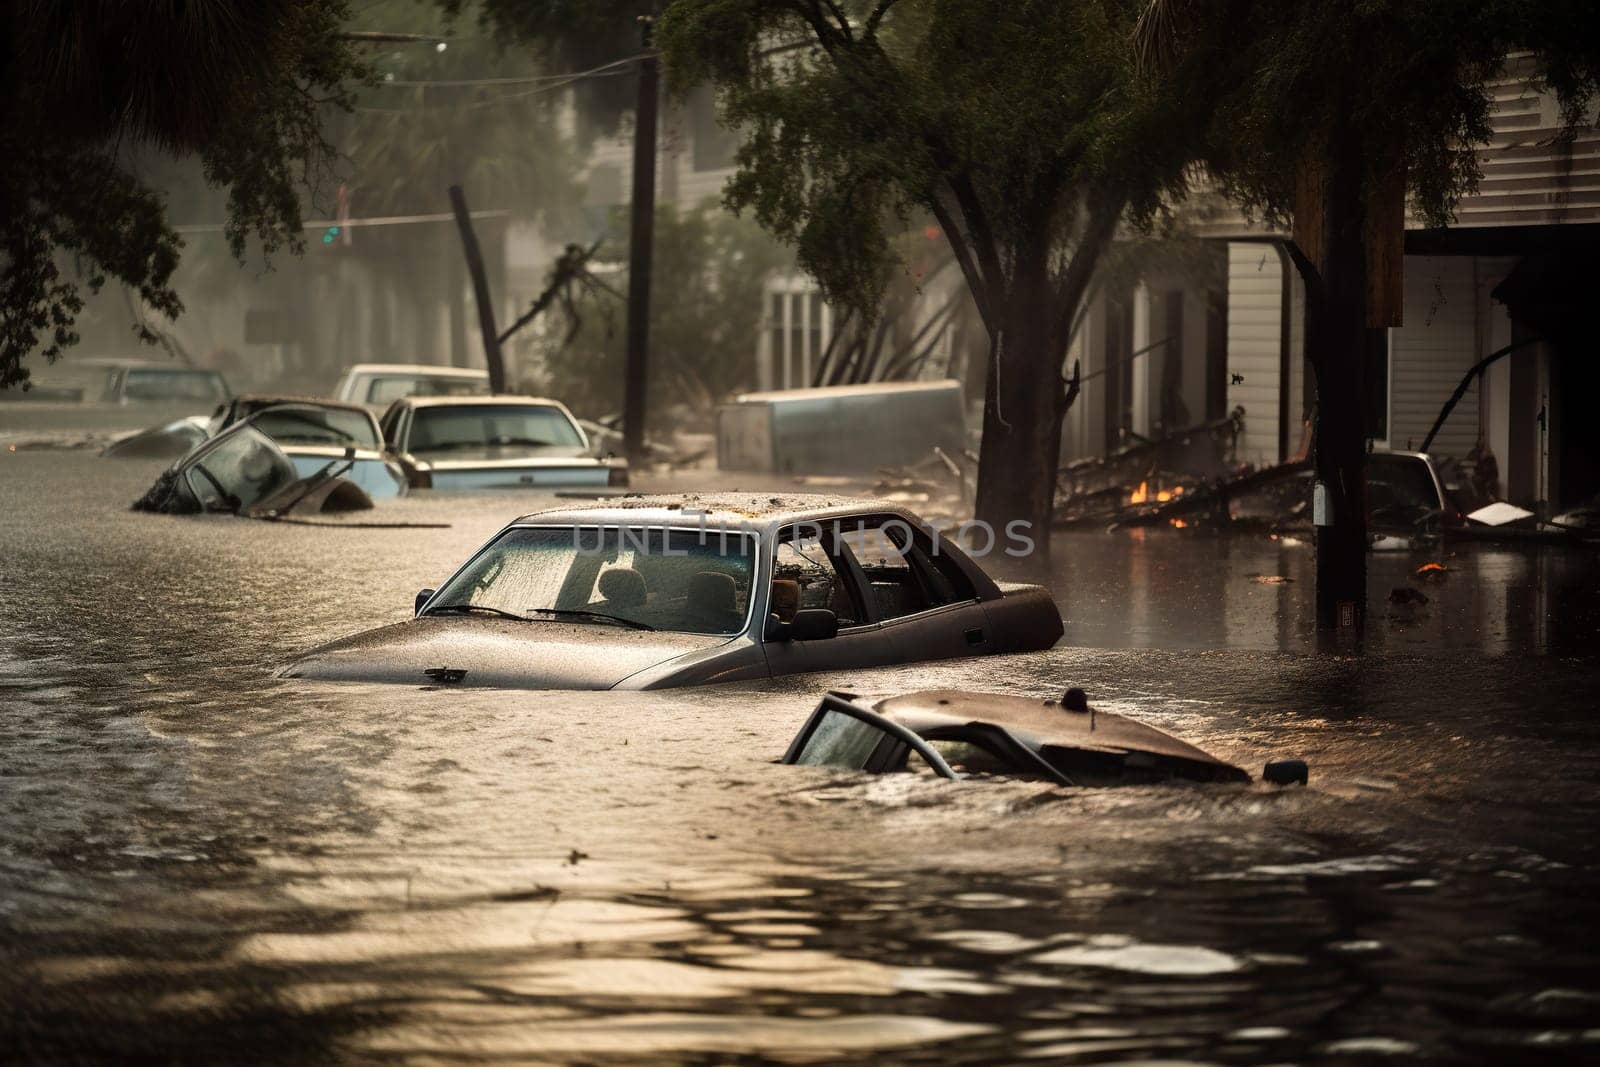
(623, 585)
(712, 591)
(785, 598)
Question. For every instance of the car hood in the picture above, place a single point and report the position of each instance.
(496, 652)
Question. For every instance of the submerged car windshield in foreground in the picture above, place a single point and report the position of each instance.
(688, 581)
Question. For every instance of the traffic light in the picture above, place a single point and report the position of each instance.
(330, 235)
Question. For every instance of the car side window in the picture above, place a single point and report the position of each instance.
(903, 568)
(804, 576)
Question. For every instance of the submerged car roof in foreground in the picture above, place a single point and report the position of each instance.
(1065, 740)
(740, 510)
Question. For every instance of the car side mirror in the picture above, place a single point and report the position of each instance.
(813, 624)
(422, 598)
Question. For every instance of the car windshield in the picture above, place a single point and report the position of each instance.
(1400, 483)
(442, 429)
(689, 581)
(318, 425)
(162, 385)
(244, 466)
(840, 740)
(387, 388)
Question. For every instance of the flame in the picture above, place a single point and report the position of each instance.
(1177, 490)
(1178, 524)
(1141, 494)
(1163, 496)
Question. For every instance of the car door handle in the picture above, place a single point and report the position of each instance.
(975, 636)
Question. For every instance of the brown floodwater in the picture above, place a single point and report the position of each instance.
(200, 861)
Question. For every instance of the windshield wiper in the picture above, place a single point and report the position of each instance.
(466, 609)
(582, 614)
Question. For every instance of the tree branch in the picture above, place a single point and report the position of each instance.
(825, 361)
(1074, 385)
(1105, 210)
(969, 269)
(988, 251)
(876, 17)
(839, 17)
(810, 11)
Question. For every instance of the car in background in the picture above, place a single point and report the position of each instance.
(498, 442)
(242, 471)
(1404, 496)
(377, 385)
(314, 433)
(652, 592)
(97, 380)
(165, 440)
(160, 383)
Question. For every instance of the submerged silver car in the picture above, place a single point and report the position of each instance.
(652, 592)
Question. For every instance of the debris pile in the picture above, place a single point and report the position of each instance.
(1140, 479)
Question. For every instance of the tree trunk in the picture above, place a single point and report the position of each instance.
(1337, 338)
(1023, 405)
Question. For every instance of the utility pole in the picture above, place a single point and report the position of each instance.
(640, 246)
(480, 290)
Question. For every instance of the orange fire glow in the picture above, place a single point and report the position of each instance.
(1141, 494)
(1178, 524)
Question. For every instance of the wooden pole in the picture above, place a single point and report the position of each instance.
(480, 291)
(640, 246)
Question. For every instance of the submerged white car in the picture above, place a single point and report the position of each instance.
(494, 442)
(379, 384)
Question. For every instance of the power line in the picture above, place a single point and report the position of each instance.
(562, 82)
(380, 220)
(524, 80)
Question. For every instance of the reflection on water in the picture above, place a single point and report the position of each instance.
(198, 860)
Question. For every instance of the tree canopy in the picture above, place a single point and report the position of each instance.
(1015, 126)
(575, 35)
(1020, 130)
(84, 87)
(477, 113)
(1334, 115)
(1262, 83)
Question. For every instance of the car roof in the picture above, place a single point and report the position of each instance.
(835, 392)
(1031, 720)
(169, 368)
(261, 401)
(431, 370)
(480, 400)
(718, 510)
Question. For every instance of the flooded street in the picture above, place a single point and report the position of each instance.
(201, 861)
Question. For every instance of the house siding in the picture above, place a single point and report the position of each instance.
(1433, 350)
(1255, 298)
